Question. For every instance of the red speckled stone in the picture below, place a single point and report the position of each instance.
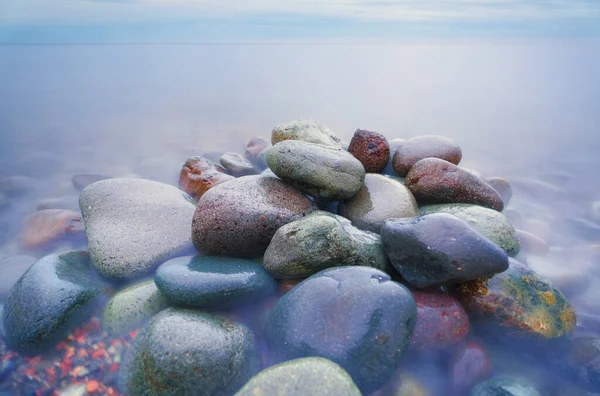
(433, 180)
(412, 150)
(441, 321)
(198, 175)
(371, 149)
(468, 366)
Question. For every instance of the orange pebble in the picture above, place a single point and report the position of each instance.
(97, 354)
(114, 367)
(82, 353)
(30, 371)
(92, 386)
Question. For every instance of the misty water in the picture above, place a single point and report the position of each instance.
(519, 109)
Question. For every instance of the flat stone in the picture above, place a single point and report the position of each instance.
(301, 377)
(324, 172)
(319, 241)
(433, 180)
(134, 225)
(132, 307)
(46, 227)
(83, 180)
(355, 316)
(381, 198)
(371, 149)
(185, 352)
(440, 249)
(307, 131)
(412, 150)
(239, 218)
(213, 282)
(52, 298)
(199, 174)
(237, 165)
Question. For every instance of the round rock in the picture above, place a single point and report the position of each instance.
(199, 174)
(381, 198)
(412, 150)
(184, 352)
(301, 377)
(239, 218)
(319, 241)
(371, 149)
(213, 282)
(305, 130)
(355, 316)
(237, 165)
(324, 172)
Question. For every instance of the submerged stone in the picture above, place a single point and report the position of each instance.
(237, 165)
(198, 175)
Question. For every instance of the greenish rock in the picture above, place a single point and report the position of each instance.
(213, 282)
(324, 172)
(130, 308)
(520, 302)
(307, 131)
(505, 387)
(301, 377)
(185, 352)
(380, 199)
(318, 241)
(490, 223)
(54, 296)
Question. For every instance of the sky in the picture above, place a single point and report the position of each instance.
(168, 21)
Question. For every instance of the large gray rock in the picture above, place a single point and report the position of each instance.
(53, 297)
(319, 241)
(239, 218)
(324, 172)
(307, 131)
(134, 225)
(301, 377)
(184, 352)
(380, 199)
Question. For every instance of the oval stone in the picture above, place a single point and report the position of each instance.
(45, 227)
(433, 180)
(239, 218)
(319, 241)
(355, 316)
(381, 198)
(322, 171)
(212, 282)
(301, 377)
(184, 352)
(371, 149)
(412, 150)
(254, 147)
(469, 365)
(503, 187)
(199, 174)
(440, 249)
(307, 131)
(237, 165)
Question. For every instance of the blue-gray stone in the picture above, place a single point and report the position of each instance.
(505, 387)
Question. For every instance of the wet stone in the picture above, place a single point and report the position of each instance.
(199, 174)
(371, 149)
(503, 187)
(184, 352)
(83, 180)
(324, 172)
(440, 249)
(46, 227)
(468, 366)
(239, 218)
(307, 131)
(319, 241)
(412, 150)
(213, 282)
(433, 180)
(505, 387)
(355, 316)
(253, 150)
(301, 377)
(237, 165)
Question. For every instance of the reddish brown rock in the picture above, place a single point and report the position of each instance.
(441, 321)
(371, 149)
(47, 226)
(468, 366)
(198, 175)
(433, 180)
(415, 149)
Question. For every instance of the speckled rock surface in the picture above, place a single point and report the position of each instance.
(198, 175)
(324, 172)
(239, 218)
(319, 241)
(434, 181)
(302, 377)
(305, 130)
(371, 149)
(82, 180)
(503, 187)
(184, 352)
(381, 198)
(354, 316)
(130, 308)
(134, 225)
(237, 165)
(412, 150)
(520, 300)
(52, 298)
(505, 387)
(440, 249)
(213, 282)
(490, 223)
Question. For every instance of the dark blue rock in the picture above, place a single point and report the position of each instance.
(53, 297)
(212, 282)
(355, 316)
(440, 249)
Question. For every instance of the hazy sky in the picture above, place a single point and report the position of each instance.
(23, 21)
